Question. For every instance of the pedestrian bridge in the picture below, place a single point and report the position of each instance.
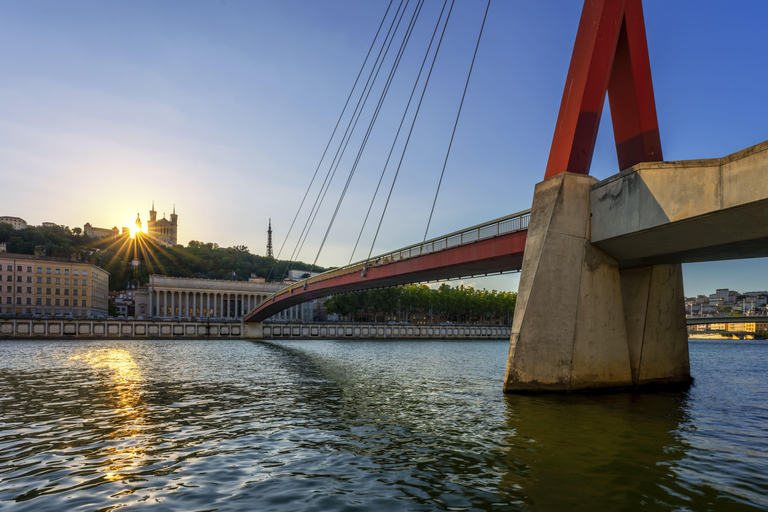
(489, 248)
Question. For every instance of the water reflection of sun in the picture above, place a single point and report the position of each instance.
(125, 376)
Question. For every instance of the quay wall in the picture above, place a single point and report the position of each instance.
(80, 329)
(276, 331)
(64, 329)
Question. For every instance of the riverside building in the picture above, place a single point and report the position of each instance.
(181, 298)
(40, 285)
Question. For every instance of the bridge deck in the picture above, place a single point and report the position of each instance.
(488, 248)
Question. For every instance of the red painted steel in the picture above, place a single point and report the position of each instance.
(610, 55)
(497, 254)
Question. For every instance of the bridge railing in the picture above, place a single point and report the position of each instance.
(502, 226)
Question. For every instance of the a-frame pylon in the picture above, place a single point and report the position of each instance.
(610, 55)
(612, 327)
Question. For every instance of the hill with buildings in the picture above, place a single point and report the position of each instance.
(116, 253)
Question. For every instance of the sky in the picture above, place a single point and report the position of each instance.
(223, 109)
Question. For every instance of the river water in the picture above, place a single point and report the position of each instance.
(380, 425)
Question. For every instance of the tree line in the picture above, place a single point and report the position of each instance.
(422, 304)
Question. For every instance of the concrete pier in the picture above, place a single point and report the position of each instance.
(616, 328)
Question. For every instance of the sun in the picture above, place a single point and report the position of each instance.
(135, 230)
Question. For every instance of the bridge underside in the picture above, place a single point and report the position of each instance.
(684, 212)
(502, 253)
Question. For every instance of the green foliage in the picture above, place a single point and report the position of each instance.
(420, 303)
(58, 241)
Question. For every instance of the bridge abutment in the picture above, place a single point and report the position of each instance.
(594, 343)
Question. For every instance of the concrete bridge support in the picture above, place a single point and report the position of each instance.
(615, 328)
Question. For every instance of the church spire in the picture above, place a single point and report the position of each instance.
(269, 240)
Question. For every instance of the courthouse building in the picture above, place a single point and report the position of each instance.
(180, 297)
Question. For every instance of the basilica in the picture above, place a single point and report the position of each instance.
(163, 230)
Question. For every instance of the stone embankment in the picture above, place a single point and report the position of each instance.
(64, 329)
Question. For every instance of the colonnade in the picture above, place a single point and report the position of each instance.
(188, 304)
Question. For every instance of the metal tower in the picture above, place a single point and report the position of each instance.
(269, 241)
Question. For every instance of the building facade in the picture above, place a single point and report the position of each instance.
(93, 232)
(16, 222)
(180, 297)
(164, 231)
(34, 285)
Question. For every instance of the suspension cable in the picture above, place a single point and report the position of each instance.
(371, 124)
(326, 183)
(350, 130)
(332, 135)
(397, 135)
(455, 124)
(405, 148)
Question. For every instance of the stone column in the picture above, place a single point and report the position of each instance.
(194, 304)
(165, 304)
(151, 293)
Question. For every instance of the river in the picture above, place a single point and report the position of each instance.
(200, 425)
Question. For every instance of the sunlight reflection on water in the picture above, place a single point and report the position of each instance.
(238, 425)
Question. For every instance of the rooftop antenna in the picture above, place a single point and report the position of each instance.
(269, 241)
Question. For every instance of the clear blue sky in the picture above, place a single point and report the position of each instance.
(223, 108)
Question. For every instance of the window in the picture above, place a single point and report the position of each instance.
(39, 291)
(9, 268)
(18, 301)
(66, 302)
(47, 280)
(47, 270)
(29, 299)
(39, 270)
(47, 302)
(39, 301)
(74, 302)
(29, 279)
(85, 293)
(75, 272)
(9, 277)
(8, 300)
(58, 280)
(18, 279)
(66, 291)
(47, 291)
(58, 302)
(18, 289)
(66, 281)
(58, 271)
(66, 271)
(85, 272)
(9, 289)
(39, 280)
(29, 269)
(75, 282)
(18, 268)
(29, 289)
(74, 292)
(84, 303)
(58, 291)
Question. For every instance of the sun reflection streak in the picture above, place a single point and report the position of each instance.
(126, 455)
